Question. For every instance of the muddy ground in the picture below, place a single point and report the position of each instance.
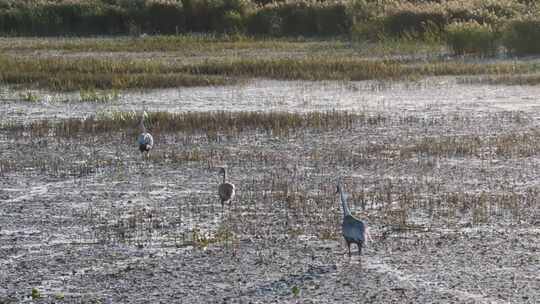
(448, 184)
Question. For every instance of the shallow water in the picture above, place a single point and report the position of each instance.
(433, 96)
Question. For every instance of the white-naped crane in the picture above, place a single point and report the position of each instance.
(226, 190)
(354, 230)
(145, 139)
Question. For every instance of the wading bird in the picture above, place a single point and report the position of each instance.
(145, 139)
(354, 230)
(225, 190)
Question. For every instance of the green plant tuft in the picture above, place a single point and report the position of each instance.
(35, 294)
(29, 96)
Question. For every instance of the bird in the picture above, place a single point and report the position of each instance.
(145, 139)
(354, 230)
(226, 190)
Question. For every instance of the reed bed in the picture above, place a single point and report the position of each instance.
(108, 74)
(354, 69)
(277, 123)
(92, 74)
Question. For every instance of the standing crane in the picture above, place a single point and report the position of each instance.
(226, 190)
(354, 230)
(145, 139)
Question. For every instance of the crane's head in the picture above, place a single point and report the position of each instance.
(339, 185)
(144, 115)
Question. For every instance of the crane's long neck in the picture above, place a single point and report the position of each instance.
(141, 125)
(343, 197)
(224, 176)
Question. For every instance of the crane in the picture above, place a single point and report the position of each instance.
(354, 230)
(145, 139)
(226, 190)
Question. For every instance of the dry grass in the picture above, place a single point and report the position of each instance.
(90, 74)
(210, 123)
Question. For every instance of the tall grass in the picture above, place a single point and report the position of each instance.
(351, 69)
(277, 123)
(306, 69)
(105, 74)
(87, 74)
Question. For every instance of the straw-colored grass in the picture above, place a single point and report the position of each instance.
(84, 74)
(210, 123)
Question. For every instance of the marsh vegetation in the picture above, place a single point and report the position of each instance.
(439, 153)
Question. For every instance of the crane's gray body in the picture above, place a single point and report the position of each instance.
(354, 230)
(226, 190)
(146, 142)
(145, 139)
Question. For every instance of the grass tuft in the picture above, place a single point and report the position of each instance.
(98, 96)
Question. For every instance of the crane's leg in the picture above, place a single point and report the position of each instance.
(349, 247)
(359, 253)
